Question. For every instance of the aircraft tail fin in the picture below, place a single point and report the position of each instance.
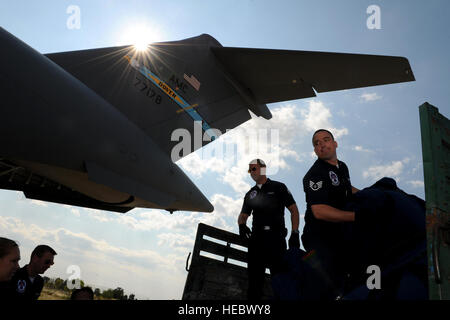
(165, 88)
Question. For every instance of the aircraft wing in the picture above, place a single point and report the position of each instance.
(37, 187)
(279, 75)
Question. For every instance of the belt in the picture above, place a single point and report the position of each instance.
(267, 228)
(275, 230)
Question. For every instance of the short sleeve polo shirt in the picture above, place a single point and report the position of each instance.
(267, 204)
(325, 184)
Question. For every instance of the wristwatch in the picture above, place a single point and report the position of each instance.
(295, 231)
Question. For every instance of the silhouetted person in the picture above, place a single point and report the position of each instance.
(9, 264)
(84, 293)
(327, 189)
(27, 282)
(266, 201)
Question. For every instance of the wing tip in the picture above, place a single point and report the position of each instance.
(261, 110)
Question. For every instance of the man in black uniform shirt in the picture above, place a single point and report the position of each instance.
(327, 188)
(9, 264)
(27, 283)
(266, 243)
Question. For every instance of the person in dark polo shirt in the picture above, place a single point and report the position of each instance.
(327, 189)
(27, 282)
(266, 241)
(9, 264)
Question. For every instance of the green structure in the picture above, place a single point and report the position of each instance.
(435, 129)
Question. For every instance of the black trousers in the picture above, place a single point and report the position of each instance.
(328, 263)
(266, 250)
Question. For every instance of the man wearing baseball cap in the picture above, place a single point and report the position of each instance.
(266, 241)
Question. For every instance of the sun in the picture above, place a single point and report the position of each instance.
(140, 36)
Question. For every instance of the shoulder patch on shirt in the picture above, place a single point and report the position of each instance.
(253, 194)
(334, 178)
(315, 185)
(21, 286)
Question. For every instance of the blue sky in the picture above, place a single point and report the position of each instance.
(378, 130)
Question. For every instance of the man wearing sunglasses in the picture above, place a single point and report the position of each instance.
(266, 242)
(27, 281)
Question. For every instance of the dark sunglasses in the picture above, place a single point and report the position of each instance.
(252, 169)
(47, 261)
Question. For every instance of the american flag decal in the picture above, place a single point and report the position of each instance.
(192, 81)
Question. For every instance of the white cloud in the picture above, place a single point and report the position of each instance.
(237, 178)
(368, 97)
(10, 226)
(337, 133)
(39, 203)
(393, 170)
(226, 209)
(361, 149)
(99, 215)
(226, 206)
(417, 183)
(317, 116)
(102, 263)
(418, 167)
(271, 140)
(176, 241)
(66, 242)
(151, 220)
(76, 212)
(197, 165)
(182, 222)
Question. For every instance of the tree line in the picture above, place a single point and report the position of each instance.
(60, 284)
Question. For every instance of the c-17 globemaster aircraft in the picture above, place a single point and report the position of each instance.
(93, 128)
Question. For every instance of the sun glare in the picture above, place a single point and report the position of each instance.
(141, 44)
(140, 36)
